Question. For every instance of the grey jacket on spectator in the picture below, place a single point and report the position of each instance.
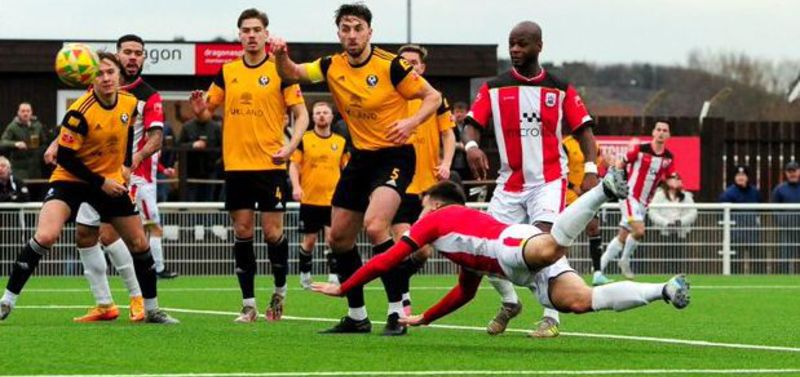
(27, 162)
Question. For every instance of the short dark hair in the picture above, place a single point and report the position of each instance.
(460, 105)
(252, 13)
(421, 51)
(129, 38)
(356, 10)
(105, 55)
(447, 192)
(661, 120)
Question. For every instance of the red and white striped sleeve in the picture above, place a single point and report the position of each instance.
(153, 114)
(481, 111)
(575, 112)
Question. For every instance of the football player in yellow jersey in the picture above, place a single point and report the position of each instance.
(315, 169)
(433, 165)
(371, 88)
(94, 151)
(254, 155)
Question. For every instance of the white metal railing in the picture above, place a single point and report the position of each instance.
(725, 239)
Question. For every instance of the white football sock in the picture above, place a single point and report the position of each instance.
(94, 268)
(158, 253)
(10, 297)
(625, 295)
(358, 314)
(612, 250)
(151, 304)
(251, 302)
(123, 262)
(551, 313)
(573, 220)
(506, 290)
(630, 246)
(396, 307)
(407, 296)
(281, 290)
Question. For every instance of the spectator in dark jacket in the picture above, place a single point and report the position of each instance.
(204, 139)
(744, 236)
(788, 192)
(25, 138)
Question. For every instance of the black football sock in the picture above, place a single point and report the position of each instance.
(346, 264)
(26, 263)
(305, 258)
(145, 267)
(278, 255)
(596, 251)
(393, 280)
(245, 259)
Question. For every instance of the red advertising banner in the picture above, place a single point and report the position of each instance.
(209, 57)
(685, 149)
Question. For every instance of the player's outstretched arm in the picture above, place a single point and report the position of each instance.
(288, 70)
(376, 267)
(468, 283)
(588, 144)
(431, 99)
(300, 115)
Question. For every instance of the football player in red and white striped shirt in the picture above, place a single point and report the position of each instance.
(520, 253)
(529, 108)
(647, 165)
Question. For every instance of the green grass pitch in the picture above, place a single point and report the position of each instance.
(728, 321)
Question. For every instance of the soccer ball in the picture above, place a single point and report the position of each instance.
(77, 64)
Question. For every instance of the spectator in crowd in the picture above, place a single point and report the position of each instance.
(744, 236)
(788, 221)
(204, 139)
(25, 139)
(12, 189)
(460, 166)
(673, 220)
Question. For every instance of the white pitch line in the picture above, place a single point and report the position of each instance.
(432, 288)
(446, 373)
(699, 343)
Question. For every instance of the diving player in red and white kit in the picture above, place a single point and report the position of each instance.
(647, 165)
(521, 253)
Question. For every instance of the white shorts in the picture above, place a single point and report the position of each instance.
(632, 211)
(145, 196)
(542, 203)
(518, 272)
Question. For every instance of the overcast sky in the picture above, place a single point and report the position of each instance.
(601, 31)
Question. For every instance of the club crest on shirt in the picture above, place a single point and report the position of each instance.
(550, 99)
(372, 80)
(334, 147)
(124, 117)
(263, 80)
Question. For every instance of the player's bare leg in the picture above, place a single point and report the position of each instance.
(52, 217)
(570, 294)
(383, 205)
(278, 254)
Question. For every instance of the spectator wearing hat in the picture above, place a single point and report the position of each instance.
(744, 236)
(788, 192)
(673, 220)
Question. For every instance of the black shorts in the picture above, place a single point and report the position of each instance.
(75, 193)
(263, 190)
(409, 210)
(368, 170)
(314, 218)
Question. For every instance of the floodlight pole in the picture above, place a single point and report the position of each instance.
(408, 21)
